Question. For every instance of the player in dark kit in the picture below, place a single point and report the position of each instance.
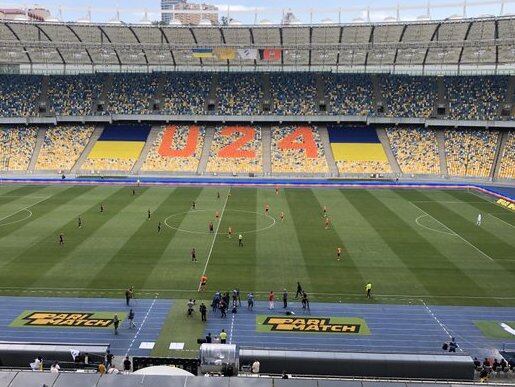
(148, 214)
(193, 255)
(193, 205)
(159, 227)
(133, 192)
(79, 222)
(61, 239)
(218, 195)
(101, 207)
(211, 228)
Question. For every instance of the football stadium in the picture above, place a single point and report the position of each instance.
(268, 197)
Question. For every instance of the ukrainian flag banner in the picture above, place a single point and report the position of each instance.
(356, 144)
(120, 142)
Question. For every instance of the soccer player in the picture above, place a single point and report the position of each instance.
(267, 209)
(79, 222)
(193, 255)
(299, 290)
(240, 240)
(276, 190)
(61, 239)
(218, 195)
(368, 289)
(211, 228)
(133, 192)
(217, 215)
(101, 208)
(159, 227)
(203, 282)
(479, 219)
(229, 232)
(282, 216)
(338, 253)
(193, 205)
(271, 300)
(327, 222)
(325, 211)
(148, 214)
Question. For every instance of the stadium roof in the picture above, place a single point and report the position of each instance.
(478, 41)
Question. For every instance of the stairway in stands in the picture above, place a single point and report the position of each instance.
(154, 132)
(266, 138)
(324, 137)
(383, 137)
(212, 97)
(35, 153)
(501, 144)
(440, 139)
(204, 158)
(102, 97)
(92, 140)
(378, 96)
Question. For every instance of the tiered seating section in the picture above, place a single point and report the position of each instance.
(71, 95)
(415, 149)
(407, 96)
(470, 152)
(132, 93)
(298, 150)
(186, 93)
(293, 94)
(349, 94)
(236, 149)
(16, 147)
(507, 167)
(19, 95)
(358, 150)
(475, 98)
(175, 149)
(469, 97)
(62, 147)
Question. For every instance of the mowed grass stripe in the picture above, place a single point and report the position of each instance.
(232, 266)
(485, 241)
(174, 269)
(432, 268)
(364, 247)
(487, 206)
(279, 255)
(62, 261)
(136, 259)
(319, 245)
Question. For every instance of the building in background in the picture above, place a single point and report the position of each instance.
(199, 12)
(30, 14)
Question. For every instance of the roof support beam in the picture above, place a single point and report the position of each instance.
(400, 40)
(137, 39)
(17, 37)
(109, 40)
(80, 40)
(48, 37)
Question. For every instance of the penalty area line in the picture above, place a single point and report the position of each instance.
(214, 239)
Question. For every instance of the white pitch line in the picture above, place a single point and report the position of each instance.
(232, 328)
(454, 233)
(505, 222)
(24, 208)
(214, 237)
(141, 326)
(438, 322)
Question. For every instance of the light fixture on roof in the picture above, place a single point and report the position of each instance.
(358, 19)
(205, 22)
(114, 21)
(486, 15)
(390, 19)
(46, 54)
(52, 20)
(442, 54)
(12, 54)
(175, 22)
(265, 22)
(423, 18)
(455, 17)
(327, 21)
(479, 53)
(77, 55)
(84, 20)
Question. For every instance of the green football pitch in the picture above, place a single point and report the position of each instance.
(411, 244)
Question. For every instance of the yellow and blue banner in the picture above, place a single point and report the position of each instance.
(202, 53)
(355, 144)
(120, 142)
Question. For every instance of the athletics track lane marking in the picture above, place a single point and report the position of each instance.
(141, 325)
(214, 237)
(454, 233)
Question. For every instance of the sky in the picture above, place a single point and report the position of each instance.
(254, 11)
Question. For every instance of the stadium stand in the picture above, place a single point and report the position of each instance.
(132, 93)
(475, 97)
(185, 93)
(507, 168)
(470, 152)
(349, 94)
(357, 150)
(408, 96)
(73, 95)
(62, 147)
(297, 149)
(19, 95)
(415, 149)
(236, 149)
(293, 93)
(118, 148)
(16, 147)
(239, 94)
(175, 149)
